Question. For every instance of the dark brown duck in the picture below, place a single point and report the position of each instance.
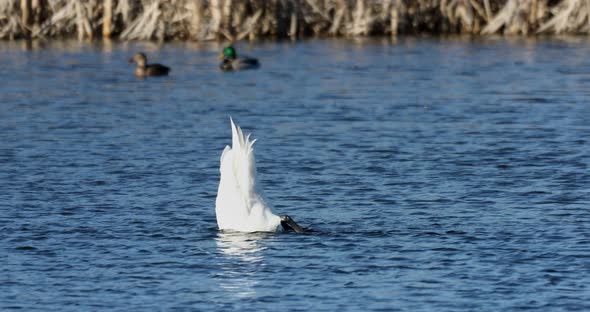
(144, 69)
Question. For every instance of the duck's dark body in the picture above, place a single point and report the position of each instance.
(152, 70)
(239, 64)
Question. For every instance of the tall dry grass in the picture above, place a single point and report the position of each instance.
(240, 19)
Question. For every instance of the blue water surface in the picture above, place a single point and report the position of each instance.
(437, 175)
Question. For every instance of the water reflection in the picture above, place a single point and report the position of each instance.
(240, 262)
(243, 246)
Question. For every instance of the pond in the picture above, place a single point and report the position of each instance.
(437, 175)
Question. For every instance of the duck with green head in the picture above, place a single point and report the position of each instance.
(231, 61)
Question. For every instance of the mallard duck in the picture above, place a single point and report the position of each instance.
(231, 61)
(144, 69)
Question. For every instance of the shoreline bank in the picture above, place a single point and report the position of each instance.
(234, 20)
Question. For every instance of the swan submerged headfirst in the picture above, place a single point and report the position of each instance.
(239, 206)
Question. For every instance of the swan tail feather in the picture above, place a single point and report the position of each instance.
(244, 165)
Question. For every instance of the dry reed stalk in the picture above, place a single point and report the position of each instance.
(226, 15)
(504, 17)
(79, 20)
(486, 4)
(394, 18)
(341, 9)
(9, 20)
(293, 18)
(196, 8)
(37, 7)
(249, 26)
(216, 14)
(571, 16)
(480, 11)
(518, 17)
(107, 18)
(124, 9)
(359, 24)
(464, 13)
(25, 7)
(145, 25)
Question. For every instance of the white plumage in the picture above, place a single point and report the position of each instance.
(239, 206)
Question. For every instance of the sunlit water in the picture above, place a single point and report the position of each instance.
(437, 175)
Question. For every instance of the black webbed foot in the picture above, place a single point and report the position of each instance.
(289, 225)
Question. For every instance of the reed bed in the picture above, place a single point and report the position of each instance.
(251, 19)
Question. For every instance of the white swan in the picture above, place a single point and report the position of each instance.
(239, 206)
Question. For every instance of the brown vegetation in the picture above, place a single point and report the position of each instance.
(239, 19)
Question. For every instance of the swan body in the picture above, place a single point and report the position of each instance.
(239, 206)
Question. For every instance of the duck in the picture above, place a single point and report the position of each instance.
(239, 205)
(232, 62)
(144, 69)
